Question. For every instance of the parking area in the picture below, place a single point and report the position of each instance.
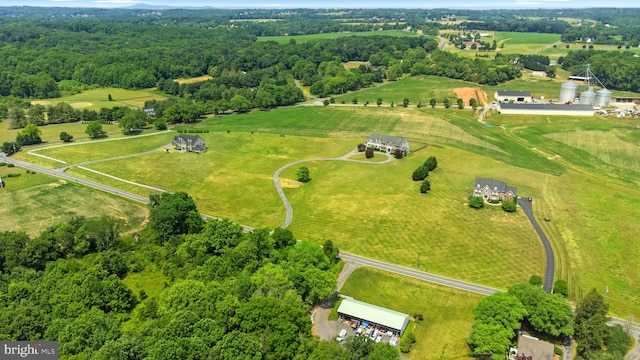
(356, 328)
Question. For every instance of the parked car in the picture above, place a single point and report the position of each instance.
(379, 338)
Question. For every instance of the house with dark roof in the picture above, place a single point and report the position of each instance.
(192, 143)
(388, 144)
(494, 190)
(508, 96)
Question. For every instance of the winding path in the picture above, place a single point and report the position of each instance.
(276, 178)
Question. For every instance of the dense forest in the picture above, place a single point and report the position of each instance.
(46, 53)
(226, 294)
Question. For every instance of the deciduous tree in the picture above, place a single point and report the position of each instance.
(94, 129)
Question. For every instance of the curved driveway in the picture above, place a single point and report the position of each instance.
(276, 179)
(550, 267)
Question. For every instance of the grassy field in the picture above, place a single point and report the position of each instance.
(447, 313)
(98, 98)
(233, 181)
(74, 153)
(514, 42)
(416, 88)
(562, 50)
(52, 132)
(305, 38)
(581, 172)
(33, 202)
(194, 79)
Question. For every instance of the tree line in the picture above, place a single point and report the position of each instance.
(526, 307)
(223, 293)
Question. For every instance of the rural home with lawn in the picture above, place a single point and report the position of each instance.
(372, 315)
(388, 144)
(494, 190)
(531, 348)
(508, 96)
(192, 143)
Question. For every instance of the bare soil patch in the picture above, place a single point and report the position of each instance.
(40, 102)
(467, 94)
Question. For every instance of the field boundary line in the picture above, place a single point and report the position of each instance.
(121, 179)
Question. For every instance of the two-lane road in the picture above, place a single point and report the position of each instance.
(347, 257)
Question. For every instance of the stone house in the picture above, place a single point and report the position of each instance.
(388, 144)
(494, 190)
(191, 143)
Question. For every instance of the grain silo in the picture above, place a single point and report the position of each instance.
(603, 97)
(588, 97)
(568, 92)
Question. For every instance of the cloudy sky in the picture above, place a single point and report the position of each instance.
(428, 4)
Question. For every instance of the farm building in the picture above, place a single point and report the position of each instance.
(191, 143)
(494, 190)
(507, 96)
(545, 109)
(531, 348)
(354, 310)
(388, 144)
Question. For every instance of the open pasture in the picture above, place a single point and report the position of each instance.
(74, 153)
(364, 203)
(353, 121)
(448, 313)
(594, 240)
(522, 42)
(33, 202)
(611, 146)
(96, 99)
(325, 36)
(51, 133)
(419, 88)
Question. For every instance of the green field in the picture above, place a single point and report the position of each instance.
(52, 132)
(562, 50)
(447, 313)
(514, 42)
(306, 38)
(582, 173)
(232, 181)
(99, 98)
(33, 202)
(74, 153)
(416, 88)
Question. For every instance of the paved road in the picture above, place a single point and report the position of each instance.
(550, 267)
(633, 327)
(276, 179)
(416, 274)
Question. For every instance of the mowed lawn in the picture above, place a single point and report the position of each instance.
(233, 178)
(522, 42)
(448, 313)
(34, 202)
(52, 132)
(593, 207)
(311, 37)
(74, 153)
(96, 99)
(378, 211)
(428, 125)
(370, 209)
(421, 88)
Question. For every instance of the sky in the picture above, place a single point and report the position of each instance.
(427, 4)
